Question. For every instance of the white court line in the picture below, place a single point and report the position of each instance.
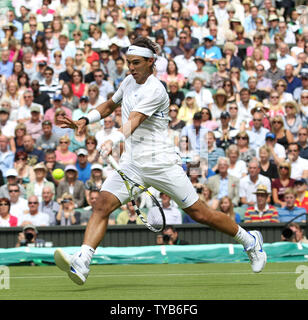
(152, 274)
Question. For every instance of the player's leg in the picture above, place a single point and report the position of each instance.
(174, 182)
(77, 265)
(97, 225)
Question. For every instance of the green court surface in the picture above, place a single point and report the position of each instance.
(229, 281)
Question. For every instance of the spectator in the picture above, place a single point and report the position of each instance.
(69, 100)
(95, 181)
(207, 119)
(176, 95)
(248, 70)
(172, 74)
(220, 103)
(83, 166)
(299, 90)
(33, 216)
(263, 84)
(284, 58)
(292, 120)
(226, 206)
(290, 211)
(273, 73)
(267, 167)
(278, 152)
(293, 82)
(93, 154)
(299, 165)
(48, 205)
(6, 156)
(170, 237)
(209, 52)
(258, 43)
(104, 86)
(203, 96)
(303, 142)
(256, 93)
(224, 184)
(212, 153)
(199, 72)
(89, 53)
(6, 219)
(295, 233)
(237, 167)
(6, 66)
(66, 214)
(18, 203)
(242, 142)
(232, 60)
(24, 112)
(249, 184)
(118, 75)
(36, 187)
(108, 129)
(300, 187)
(173, 215)
(7, 126)
(71, 185)
(66, 75)
(24, 171)
(281, 87)
(29, 236)
(261, 211)
(78, 86)
(129, 215)
(63, 155)
(46, 140)
(236, 120)
(274, 105)
(49, 84)
(34, 155)
(225, 134)
(41, 98)
(34, 124)
(221, 75)
(51, 164)
(195, 132)
(258, 132)
(245, 105)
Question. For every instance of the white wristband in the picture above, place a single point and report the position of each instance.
(117, 137)
(93, 116)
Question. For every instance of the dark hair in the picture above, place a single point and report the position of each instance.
(170, 227)
(294, 144)
(91, 138)
(19, 154)
(7, 201)
(44, 48)
(21, 74)
(209, 111)
(79, 73)
(146, 43)
(176, 67)
(49, 69)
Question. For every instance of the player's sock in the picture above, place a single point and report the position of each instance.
(87, 254)
(244, 238)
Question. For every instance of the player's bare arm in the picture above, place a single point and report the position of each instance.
(104, 109)
(128, 128)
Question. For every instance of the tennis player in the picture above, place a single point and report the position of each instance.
(149, 160)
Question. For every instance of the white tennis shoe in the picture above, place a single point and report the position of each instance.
(256, 254)
(73, 265)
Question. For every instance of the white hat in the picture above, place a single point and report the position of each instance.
(70, 167)
(11, 173)
(82, 151)
(97, 166)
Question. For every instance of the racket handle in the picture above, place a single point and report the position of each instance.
(113, 163)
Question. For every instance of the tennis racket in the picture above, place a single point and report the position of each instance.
(157, 221)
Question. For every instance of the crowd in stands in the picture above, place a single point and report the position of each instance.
(237, 76)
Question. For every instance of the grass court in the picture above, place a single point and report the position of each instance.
(203, 281)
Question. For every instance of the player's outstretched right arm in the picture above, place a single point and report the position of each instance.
(95, 115)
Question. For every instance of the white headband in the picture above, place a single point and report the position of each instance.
(140, 51)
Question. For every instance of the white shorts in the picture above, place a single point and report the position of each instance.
(172, 181)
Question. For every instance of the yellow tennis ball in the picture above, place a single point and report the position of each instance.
(58, 174)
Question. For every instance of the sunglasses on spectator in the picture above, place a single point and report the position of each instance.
(282, 167)
(63, 142)
(32, 202)
(13, 190)
(3, 204)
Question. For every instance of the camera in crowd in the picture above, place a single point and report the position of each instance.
(166, 238)
(65, 201)
(288, 234)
